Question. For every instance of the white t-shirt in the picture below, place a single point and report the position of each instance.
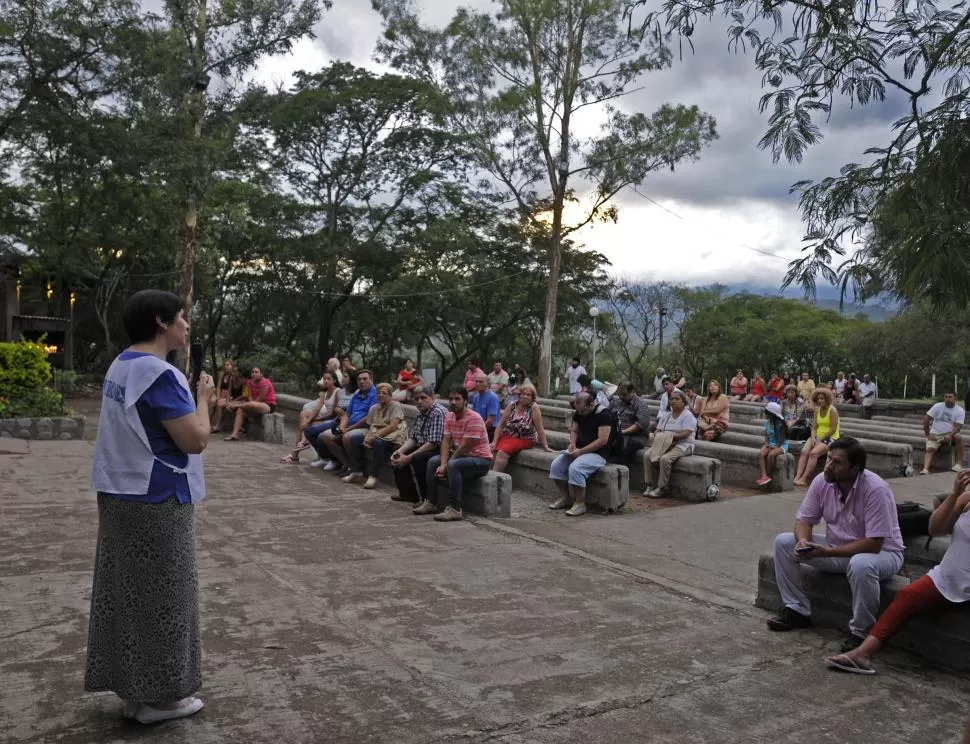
(839, 386)
(864, 389)
(572, 375)
(684, 422)
(944, 418)
(952, 576)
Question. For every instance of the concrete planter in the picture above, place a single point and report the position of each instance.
(44, 428)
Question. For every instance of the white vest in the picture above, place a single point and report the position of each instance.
(123, 457)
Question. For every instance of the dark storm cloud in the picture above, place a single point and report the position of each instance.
(720, 81)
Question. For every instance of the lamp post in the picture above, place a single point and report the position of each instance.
(662, 313)
(594, 314)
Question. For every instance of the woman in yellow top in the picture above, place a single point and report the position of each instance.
(825, 430)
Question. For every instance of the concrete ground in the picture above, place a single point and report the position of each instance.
(333, 615)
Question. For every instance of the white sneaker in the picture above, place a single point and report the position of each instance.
(578, 510)
(331, 465)
(147, 714)
(924, 471)
(371, 482)
(957, 467)
(318, 463)
(560, 503)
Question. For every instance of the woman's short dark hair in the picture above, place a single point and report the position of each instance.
(458, 390)
(584, 380)
(142, 309)
(855, 453)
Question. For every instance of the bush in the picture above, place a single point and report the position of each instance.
(24, 376)
(23, 368)
(65, 382)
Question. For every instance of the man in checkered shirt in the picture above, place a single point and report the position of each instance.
(410, 460)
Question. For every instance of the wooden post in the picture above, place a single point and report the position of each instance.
(905, 382)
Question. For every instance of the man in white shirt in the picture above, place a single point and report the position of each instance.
(942, 424)
(573, 372)
(658, 383)
(868, 393)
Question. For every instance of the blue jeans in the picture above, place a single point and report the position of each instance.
(577, 470)
(314, 435)
(459, 469)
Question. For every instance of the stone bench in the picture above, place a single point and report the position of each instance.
(942, 637)
(880, 442)
(887, 459)
(609, 488)
(263, 427)
(692, 479)
(742, 465)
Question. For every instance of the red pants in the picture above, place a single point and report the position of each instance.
(512, 445)
(919, 597)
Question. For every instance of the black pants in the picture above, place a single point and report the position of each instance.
(631, 445)
(410, 480)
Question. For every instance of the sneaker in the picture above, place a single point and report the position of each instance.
(656, 493)
(147, 714)
(787, 620)
(371, 482)
(425, 507)
(560, 503)
(578, 510)
(957, 467)
(330, 465)
(450, 514)
(353, 478)
(763, 480)
(924, 471)
(851, 643)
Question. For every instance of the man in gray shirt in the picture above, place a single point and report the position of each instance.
(634, 418)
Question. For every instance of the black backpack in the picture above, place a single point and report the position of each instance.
(615, 446)
(913, 519)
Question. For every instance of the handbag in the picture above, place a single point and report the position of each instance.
(799, 432)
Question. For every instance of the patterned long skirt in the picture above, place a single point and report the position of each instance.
(144, 642)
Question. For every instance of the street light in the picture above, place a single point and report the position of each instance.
(594, 313)
(662, 312)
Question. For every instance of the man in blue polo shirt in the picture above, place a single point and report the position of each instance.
(486, 404)
(353, 422)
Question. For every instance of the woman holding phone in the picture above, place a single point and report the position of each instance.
(144, 642)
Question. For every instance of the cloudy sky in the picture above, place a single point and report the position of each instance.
(700, 223)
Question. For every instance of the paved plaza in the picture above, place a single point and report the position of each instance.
(333, 615)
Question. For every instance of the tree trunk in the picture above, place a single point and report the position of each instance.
(552, 299)
(324, 333)
(190, 222)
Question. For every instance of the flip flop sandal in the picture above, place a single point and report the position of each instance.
(290, 458)
(845, 664)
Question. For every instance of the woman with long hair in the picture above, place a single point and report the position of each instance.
(144, 641)
(714, 413)
(825, 430)
(519, 428)
(316, 416)
(222, 395)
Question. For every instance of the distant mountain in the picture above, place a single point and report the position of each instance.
(827, 297)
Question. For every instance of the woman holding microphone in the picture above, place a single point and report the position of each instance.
(144, 641)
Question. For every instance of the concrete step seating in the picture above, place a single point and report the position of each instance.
(942, 637)
(693, 478)
(267, 427)
(489, 496)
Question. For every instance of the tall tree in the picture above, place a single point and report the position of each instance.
(515, 81)
(356, 149)
(816, 54)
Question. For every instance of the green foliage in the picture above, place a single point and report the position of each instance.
(24, 376)
(23, 368)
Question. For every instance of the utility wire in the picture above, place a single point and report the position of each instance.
(684, 219)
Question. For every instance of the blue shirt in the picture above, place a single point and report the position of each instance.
(165, 400)
(487, 404)
(361, 404)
